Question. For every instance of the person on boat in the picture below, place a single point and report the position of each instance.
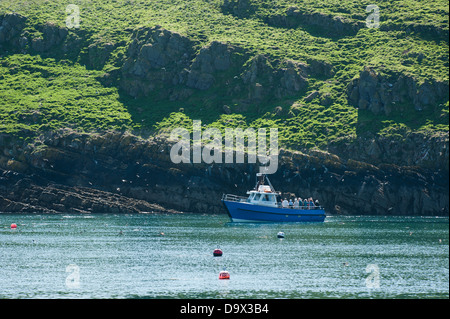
(311, 203)
(317, 203)
(291, 203)
(285, 203)
(305, 204)
(296, 203)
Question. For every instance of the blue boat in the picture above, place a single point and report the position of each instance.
(264, 204)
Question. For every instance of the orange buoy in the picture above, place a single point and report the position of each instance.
(224, 275)
(217, 252)
(13, 226)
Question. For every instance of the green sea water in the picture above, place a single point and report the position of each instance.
(171, 256)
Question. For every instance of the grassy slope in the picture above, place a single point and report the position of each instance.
(433, 12)
(45, 93)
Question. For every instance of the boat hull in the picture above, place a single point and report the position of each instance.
(246, 212)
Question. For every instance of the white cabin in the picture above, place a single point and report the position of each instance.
(265, 197)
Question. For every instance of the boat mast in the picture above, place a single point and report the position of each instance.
(270, 184)
(260, 181)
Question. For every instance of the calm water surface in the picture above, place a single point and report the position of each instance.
(126, 256)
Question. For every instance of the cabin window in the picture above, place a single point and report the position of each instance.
(271, 198)
(257, 196)
(265, 198)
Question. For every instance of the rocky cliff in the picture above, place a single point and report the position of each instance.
(118, 172)
(327, 24)
(385, 93)
(172, 66)
(66, 171)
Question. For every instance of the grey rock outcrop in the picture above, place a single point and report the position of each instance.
(49, 39)
(264, 80)
(382, 94)
(328, 24)
(239, 8)
(155, 58)
(412, 149)
(98, 53)
(52, 36)
(66, 170)
(11, 27)
(159, 60)
(214, 58)
(424, 29)
(21, 194)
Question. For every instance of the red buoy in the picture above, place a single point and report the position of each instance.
(13, 226)
(224, 275)
(217, 252)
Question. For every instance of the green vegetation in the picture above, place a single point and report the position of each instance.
(433, 13)
(63, 88)
(42, 94)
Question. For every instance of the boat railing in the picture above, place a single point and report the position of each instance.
(240, 199)
(234, 198)
(303, 207)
